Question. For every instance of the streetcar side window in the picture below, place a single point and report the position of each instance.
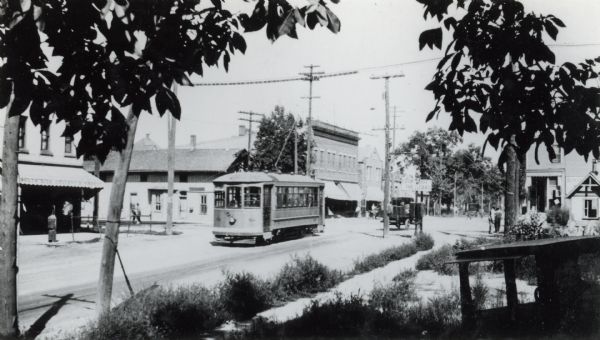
(252, 197)
(292, 197)
(219, 199)
(234, 197)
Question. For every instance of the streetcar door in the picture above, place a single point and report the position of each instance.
(267, 208)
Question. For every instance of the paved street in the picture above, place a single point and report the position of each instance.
(48, 272)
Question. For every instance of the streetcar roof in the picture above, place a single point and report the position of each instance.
(258, 177)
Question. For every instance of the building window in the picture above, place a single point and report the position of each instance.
(204, 206)
(156, 201)
(22, 133)
(590, 208)
(45, 144)
(183, 178)
(143, 177)
(252, 197)
(234, 197)
(219, 199)
(182, 201)
(68, 145)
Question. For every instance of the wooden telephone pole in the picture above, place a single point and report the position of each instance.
(170, 170)
(386, 189)
(250, 114)
(311, 76)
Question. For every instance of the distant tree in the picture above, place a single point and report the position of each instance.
(429, 152)
(498, 67)
(275, 142)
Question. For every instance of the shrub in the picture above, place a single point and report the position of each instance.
(393, 299)
(436, 261)
(304, 276)
(242, 295)
(396, 253)
(558, 215)
(528, 228)
(424, 241)
(480, 292)
(441, 313)
(159, 313)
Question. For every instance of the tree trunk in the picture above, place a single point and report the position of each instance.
(111, 235)
(97, 195)
(9, 319)
(511, 189)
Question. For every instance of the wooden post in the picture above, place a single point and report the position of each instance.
(512, 300)
(466, 301)
(9, 320)
(111, 234)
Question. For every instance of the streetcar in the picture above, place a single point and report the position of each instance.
(265, 206)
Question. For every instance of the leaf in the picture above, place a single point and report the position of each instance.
(288, 26)
(217, 4)
(173, 104)
(334, 22)
(226, 59)
(557, 21)
(19, 105)
(432, 37)
(257, 20)
(162, 102)
(450, 22)
(238, 42)
(550, 29)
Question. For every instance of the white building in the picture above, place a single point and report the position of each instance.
(370, 167)
(49, 175)
(146, 187)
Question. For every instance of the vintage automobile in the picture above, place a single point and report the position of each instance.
(404, 212)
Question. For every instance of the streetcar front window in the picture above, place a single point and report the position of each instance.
(252, 197)
(234, 197)
(219, 199)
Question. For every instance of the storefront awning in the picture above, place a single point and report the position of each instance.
(57, 176)
(352, 190)
(374, 194)
(334, 192)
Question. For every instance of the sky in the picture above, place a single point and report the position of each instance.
(375, 36)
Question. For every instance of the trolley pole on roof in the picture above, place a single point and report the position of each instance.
(311, 76)
(386, 189)
(250, 121)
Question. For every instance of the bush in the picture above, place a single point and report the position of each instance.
(371, 262)
(424, 241)
(159, 313)
(558, 215)
(436, 261)
(440, 314)
(480, 292)
(242, 295)
(304, 276)
(393, 299)
(528, 228)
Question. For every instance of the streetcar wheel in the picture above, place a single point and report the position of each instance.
(259, 241)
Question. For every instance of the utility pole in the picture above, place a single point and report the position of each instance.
(311, 76)
(386, 190)
(454, 195)
(394, 133)
(295, 150)
(170, 170)
(250, 114)
(96, 195)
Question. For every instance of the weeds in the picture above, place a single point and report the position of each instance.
(303, 277)
(242, 295)
(381, 259)
(424, 241)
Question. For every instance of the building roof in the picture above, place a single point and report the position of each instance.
(256, 177)
(145, 143)
(335, 130)
(204, 160)
(591, 176)
(234, 142)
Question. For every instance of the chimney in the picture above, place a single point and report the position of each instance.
(147, 136)
(242, 131)
(193, 142)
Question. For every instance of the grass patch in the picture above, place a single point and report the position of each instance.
(436, 259)
(303, 276)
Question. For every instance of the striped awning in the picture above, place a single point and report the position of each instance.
(57, 176)
(334, 192)
(352, 190)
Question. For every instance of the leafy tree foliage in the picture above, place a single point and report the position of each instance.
(498, 67)
(430, 152)
(275, 142)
